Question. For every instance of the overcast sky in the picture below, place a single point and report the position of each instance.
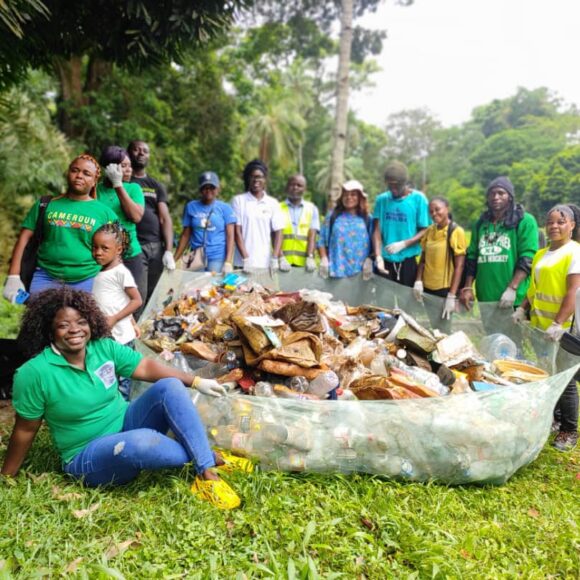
(453, 55)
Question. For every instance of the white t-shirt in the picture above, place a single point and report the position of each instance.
(109, 292)
(258, 218)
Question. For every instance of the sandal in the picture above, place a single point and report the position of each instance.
(217, 492)
(233, 463)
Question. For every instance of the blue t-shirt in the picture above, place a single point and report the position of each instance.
(195, 216)
(349, 244)
(401, 219)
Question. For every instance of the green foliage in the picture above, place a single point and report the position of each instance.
(291, 526)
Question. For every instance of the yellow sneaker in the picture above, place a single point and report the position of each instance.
(233, 463)
(217, 492)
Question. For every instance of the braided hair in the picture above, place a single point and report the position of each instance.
(576, 211)
(89, 157)
(120, 234)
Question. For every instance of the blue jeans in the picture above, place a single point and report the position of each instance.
(143, 443)
(42, 280)
(214, 265)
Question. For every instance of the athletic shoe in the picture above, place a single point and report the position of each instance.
(217, 492)
(565, 440)
(555, 427)
(234, 463)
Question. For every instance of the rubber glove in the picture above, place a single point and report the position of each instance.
(449, 306)
(507, 298)
(519, 315)
(310, 264)
(284, 264)
(115, 174)
(324, 267)
(12, 285)
(227, 268)
(554, 332)
(274, 266)
(380, 265)
(367, 269)
(168, 260)
(208, 387)
(418, 290)
(395, 247)
(247, 267)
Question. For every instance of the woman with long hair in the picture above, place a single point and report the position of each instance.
(551, 301)
(68, 224)
(71, 384)
(345, 237)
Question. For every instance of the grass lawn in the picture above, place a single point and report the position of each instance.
(291, 526)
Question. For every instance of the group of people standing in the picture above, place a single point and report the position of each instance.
(103, 248)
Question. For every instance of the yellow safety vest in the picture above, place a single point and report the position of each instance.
(547, 292)
(295, 246)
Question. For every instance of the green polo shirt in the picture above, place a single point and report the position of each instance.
(78, 406)
(109, 197)
(67, 238)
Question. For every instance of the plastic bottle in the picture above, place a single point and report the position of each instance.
(285, 392)
(421, 376)
(497, 346)
(228, 361)
(228, 437)
(323, 383)
(346, 395)
(296, 437)
(298, 384)
(263, 389)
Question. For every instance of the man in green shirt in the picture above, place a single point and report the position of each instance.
(503, 242)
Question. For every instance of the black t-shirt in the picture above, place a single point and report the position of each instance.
(149, 228)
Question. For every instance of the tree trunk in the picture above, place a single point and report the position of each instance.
(342, 89)
(77, 81)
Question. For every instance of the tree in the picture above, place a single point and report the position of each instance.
(80, 41)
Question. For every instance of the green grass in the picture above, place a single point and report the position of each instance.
(9, 318)
(292, 526)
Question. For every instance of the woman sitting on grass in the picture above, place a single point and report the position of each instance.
(71, 383)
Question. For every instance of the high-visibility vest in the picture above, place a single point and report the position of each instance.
(548, 288)
(295, 245)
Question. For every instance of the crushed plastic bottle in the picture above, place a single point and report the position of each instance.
(498, 346)
(323, 383)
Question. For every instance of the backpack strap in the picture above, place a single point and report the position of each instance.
(39, 226)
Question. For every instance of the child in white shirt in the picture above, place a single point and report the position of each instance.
(115, 289)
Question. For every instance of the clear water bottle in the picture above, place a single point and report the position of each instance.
(324, 383)
(298, 384)
(498, 346)
(296, 437)
(263, 389)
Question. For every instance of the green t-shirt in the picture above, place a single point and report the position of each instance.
(497, 250)
(66, 248)
(78, 406)
(109, 197)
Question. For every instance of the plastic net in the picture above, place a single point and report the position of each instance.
(476, 437)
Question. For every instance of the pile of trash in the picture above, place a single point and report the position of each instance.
(412, 404)
(305, 345)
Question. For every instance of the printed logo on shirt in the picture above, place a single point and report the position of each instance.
(396, 216)
(61, 219)
(494, 248)
(106, 372)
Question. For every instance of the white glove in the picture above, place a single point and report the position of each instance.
(395, 247)
(208, 387)
(227, 268)
(247, 267)
(12, 285)
(274, 265)
(519, 315)
(310, 264)
(168, 260)
(380, 265)
(367, 269)
(324, 267)
(418, 290)
(507, 298)
(115, 174)
(449, 307)
(284, 264)
(554, 332)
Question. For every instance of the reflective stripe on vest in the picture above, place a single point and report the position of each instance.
(547, 292)
(295, 245)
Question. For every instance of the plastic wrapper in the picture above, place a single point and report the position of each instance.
(473, 437)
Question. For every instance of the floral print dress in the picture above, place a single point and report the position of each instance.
(349, 244)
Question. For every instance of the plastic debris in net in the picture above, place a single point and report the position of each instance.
(475, 437)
